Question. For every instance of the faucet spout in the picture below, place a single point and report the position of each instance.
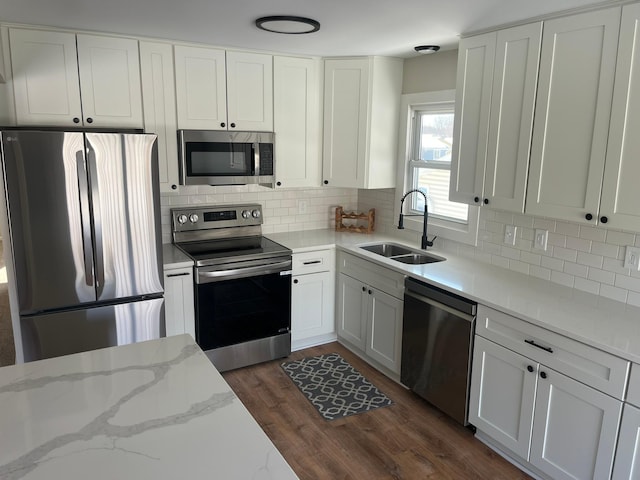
(425, 242)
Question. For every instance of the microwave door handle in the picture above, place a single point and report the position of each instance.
(255, 148)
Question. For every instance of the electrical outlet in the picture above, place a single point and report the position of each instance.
(632, 258)
(510, 234)
(540, 240)
(302, 206)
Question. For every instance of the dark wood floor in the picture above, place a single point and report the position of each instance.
(408, 440)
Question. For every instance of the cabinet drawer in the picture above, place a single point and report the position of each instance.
(598, 369)
(381, 278)
(313, 262)
(633, 394)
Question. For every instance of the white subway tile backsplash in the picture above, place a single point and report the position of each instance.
(615, 265)
(601, 276)
(518, 266)
(605, 249)
(540, 272)
(556, 240)
(500, 261)
(628, 283)
(634, 299)
(552, 263)
(565, 254)
(620, 238)
(590, 260)
(544, 224)
(576, 270)
(579, 244)
(562, 279)
(587, 285)
(510, 253)
(614, 293)
(530, 258)
(593, 233)
(569, 229)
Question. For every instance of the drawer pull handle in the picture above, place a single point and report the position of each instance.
(312, 262)
(178, 274)
(534, 344)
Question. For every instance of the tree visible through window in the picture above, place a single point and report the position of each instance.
(430, 164)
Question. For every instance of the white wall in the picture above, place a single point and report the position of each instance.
(582, 257)
(281, 208)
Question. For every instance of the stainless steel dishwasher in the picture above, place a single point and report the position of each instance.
(437, 342)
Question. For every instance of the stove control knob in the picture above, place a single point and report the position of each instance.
(193, 217)
(246, 214)
(255, 214)
(182, 219)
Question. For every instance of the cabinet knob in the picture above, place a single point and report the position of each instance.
(278, 183)
(174, 187)
(76, 120)
(588, 216)
(476, 199)
(529, 368)
(295, 281)
(223, 124)
(89, 120)
(233, 125)
(370, 292)
(604, 219)
(543, 375)
(364, 289)
(486, 201)
(326, 182)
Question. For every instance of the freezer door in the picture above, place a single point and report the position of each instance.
(123, 179)
(63, 333)
(48, 210)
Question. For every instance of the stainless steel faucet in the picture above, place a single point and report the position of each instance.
(425, 242)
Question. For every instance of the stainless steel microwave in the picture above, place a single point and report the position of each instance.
(209, 157)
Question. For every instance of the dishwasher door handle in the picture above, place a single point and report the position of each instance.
(441, 306)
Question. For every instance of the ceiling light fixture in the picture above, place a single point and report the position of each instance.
(288, 24)
(426, 49)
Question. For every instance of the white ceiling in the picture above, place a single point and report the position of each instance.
(348, 27)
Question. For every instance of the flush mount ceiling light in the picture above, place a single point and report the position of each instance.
(288, 24)
(426, 49)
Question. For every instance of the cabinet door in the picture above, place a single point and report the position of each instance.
(296, 121)
(572, 115)
(627, 464)
(351, 310)
(384, 329)
(574, 430)
(159, 107)
(471, 124)
(45, 78)
(515, 79)
(312, 305)
(110, 81)
(201, 88)
(250, 91)
(620, 192)
(178, 301)
(502, 395)
(346, 95)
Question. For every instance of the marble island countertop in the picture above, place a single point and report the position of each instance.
(597, 321)
(151, 410)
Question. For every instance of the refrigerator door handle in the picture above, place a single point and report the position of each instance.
(97, 219)
(85, 218)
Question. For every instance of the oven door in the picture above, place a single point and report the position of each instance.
(238, 305)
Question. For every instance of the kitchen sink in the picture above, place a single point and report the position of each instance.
(417, 259)
(387, 249)
(402, 254)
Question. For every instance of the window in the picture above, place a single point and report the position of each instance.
(426, 166)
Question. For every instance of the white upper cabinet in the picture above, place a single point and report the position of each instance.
(361, 115)
(620, 192)
(496, 90)
(159, 107)
(250, 91)
(572, 115)
(218, 90)
(201, 88)
(296, 120)
(471, 123)
(65, 79)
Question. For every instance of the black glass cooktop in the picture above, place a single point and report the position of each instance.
(210, 252)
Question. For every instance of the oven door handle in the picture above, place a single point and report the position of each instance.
(243, 272)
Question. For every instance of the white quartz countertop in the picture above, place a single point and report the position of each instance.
(151, 410)
(602, 323)
(173, 257)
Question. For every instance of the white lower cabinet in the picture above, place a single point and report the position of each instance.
(369, 319)
(179, 308)
(627, 463)
(556, 426)
(312, 299)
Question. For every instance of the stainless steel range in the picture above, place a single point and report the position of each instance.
(242, 284)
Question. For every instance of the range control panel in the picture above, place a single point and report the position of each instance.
(219, 216)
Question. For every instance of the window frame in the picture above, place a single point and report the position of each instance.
(448, 229)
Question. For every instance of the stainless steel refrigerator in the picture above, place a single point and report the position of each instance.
(84, 223)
